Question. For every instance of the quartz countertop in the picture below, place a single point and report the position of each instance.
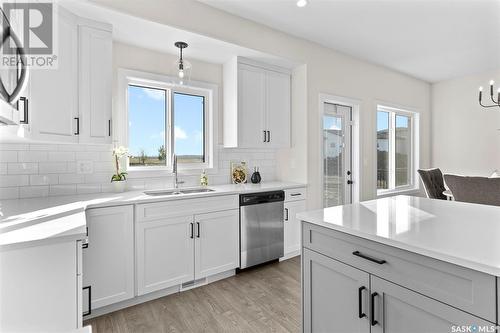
(35, 219)
(460, 233)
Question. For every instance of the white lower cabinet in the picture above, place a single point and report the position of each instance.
(108, 259)
(292, 241)
(175, 250)
(217, 243)
(341, 298)
(164, 253)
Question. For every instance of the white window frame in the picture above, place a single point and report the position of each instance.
(414, 150)
(209, 91)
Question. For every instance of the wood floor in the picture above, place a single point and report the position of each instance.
(264, 299)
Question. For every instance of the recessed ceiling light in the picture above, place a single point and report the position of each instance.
(302, 3)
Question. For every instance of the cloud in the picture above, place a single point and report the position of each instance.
(179, 133)
(154, 93)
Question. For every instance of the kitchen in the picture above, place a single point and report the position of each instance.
(164, 161)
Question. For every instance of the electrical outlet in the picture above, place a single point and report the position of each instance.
(84, 167)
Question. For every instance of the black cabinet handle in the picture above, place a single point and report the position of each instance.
(86, 244)
(25, 109)
(77, 125)
(109, 127)
(360, 302)
(265, 135)
(286, 214)
(364, 256)
(192, 230)
(198, 226)
(268, 136)
(373, 321)
(295, 194)
(90, 299)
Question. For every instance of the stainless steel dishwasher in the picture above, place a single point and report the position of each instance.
(261, 227)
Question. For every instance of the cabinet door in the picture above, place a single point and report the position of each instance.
(95, 76)
(108, 261)
(278, 109)
(397, 309)
(251, 106)
(165, 250)
(54, 92)
(217, 242)
(292, 227)
(335, 295)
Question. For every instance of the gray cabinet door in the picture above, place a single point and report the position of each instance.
(333, 293)
(397, 309)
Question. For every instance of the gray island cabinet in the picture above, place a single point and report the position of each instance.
(401, 264)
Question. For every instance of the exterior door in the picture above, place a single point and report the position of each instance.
(337, 174)
(216, 242)
(335, 296)
(398, 309)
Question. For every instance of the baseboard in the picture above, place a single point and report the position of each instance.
(291, 254)
(153, 295)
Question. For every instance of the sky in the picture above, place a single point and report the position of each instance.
(147, 111)
(383, 121)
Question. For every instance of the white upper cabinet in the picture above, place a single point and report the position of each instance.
(53, 93)
(95, 69)
(256, 105)
(72, 103)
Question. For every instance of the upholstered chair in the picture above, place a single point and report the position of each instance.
(433, 183)
(482, 190)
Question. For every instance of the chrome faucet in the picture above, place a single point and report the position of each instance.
(174, 170)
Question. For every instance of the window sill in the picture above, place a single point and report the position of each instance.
(405, 191)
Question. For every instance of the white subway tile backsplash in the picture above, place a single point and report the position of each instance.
(61, 156)
(33, 191)
(50, 169)
(62, 189)
(14, 180)
(44, 179)
(70, 178)
(8, 156)
(22, 168)
(32, 156)
(9, 193)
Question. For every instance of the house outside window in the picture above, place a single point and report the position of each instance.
(397, 149)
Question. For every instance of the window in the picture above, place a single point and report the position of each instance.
(396, 149)
(166, 119)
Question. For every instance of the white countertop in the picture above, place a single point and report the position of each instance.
(23, 221)
(459, 233)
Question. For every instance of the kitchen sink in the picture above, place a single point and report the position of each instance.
(178, 191)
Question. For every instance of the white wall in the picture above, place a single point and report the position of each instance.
(465, 136)
(327, 72)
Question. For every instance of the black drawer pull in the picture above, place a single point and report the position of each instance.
(373, 321)
(295, 194)
(360, 302)
(364, 256)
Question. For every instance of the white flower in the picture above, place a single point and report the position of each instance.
(120, 151)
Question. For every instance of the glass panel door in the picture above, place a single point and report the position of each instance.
(336, 155)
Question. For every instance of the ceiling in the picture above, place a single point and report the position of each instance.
(433, 40)
(159, 37)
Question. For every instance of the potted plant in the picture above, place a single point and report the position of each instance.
(119, 178)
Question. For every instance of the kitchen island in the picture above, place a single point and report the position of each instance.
(401, 264)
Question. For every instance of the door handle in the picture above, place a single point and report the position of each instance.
(77, 125)
(286, 214)
(372, 259)
(109, 127)
(198, 226)
(372, 305)
(192, 230)
(361, 314)
(349, 182)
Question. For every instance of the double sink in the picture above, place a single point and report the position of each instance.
(178, 191)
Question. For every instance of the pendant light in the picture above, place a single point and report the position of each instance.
(182, 66)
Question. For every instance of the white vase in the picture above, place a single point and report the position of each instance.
(119, 186)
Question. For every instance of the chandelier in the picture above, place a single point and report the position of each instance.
(495, 103)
